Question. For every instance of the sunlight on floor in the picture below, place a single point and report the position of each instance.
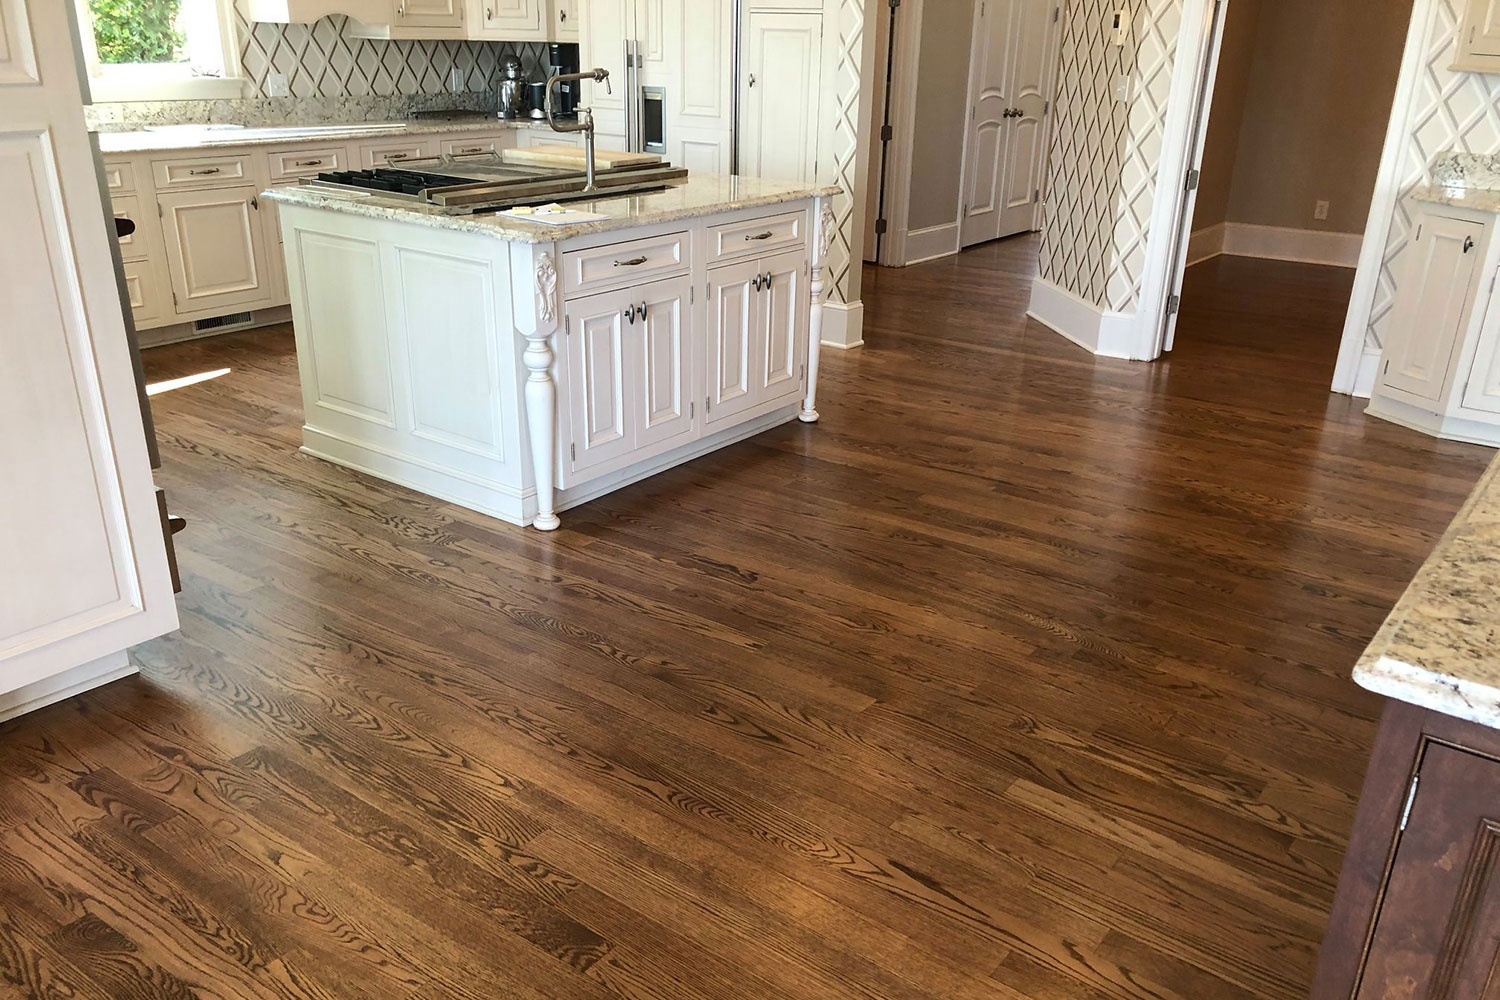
(156, 388)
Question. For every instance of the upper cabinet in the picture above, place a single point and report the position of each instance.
(1479, 37)
(485, 20)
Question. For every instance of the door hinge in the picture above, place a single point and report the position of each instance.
(887, 133)
(1056, 13)
(982, 5)
(158, 210)
(1193, 178)
(1174, 302)
(1387, 369)
(692, 294)
(1046, 107)
(895, 4)
(802, 374)
(1036, 195)
(692, 409)
(1411, 797)
(1418, 237)
(881, 227)
(708, 405)
(567, 326)
(573, 450)
(174, 298)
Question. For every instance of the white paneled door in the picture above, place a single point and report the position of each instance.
(1427, 326)
(216, 251)
(779, 95)
(83, 566)
(1011, 69)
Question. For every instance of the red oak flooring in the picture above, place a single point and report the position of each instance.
(1023, 674)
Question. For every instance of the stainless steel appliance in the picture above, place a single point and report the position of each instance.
(512, 88)
(538, 100)
(562, 57)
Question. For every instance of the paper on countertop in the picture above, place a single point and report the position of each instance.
(554, 215)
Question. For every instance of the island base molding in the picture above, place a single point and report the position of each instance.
(1439, 425)
(519, 507)
(84, 677)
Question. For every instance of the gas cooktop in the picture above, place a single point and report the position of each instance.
(393, 180)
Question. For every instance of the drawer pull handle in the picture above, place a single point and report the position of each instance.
(469, 149)
(760, 236)
(205, 170)
(394, 156)
(632, 262)
(307, 163)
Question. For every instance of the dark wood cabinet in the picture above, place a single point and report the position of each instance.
(1417, 915)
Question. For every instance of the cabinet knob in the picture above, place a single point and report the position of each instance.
(752, 79)
(1468, 243)
(643, 312)
(630, 315)
(562, 15)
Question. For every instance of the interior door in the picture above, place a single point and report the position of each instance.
(1426, 327)
(779, 96)
(663, 356)
(732, 319)
(215, 248)
(1032, 67)
(990, 111)
(598, 379)
(782, 331)
(83, 564)
(1438, 933)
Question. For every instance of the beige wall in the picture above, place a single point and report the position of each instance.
(942, 93)
(1312, 119)
(1228, 109)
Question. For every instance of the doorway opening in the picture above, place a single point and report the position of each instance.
(1290, 128)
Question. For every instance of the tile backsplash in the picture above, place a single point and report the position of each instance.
(332, 77)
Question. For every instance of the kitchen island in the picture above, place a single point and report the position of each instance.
(520, 368)
(1417, 912)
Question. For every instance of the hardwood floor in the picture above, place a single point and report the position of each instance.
(1023, 674)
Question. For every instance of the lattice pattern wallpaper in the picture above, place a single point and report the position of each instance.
(1106, 154)
(850, 28)
(1450, 112)
(319, 61)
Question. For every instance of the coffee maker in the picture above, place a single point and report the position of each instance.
(562, 57)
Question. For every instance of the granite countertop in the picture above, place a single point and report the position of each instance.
(1464, 180)
(216, 137)
(1440, 647)
(1478, 199)
(699, 195)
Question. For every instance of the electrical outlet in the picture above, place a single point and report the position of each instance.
(1320, 211)
(1123, 88)
(456, 80)
(276, 85)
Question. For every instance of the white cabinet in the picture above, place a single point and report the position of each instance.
(431, 13)
(1434, 305)
(757, 333)
(779, 95)
(1479, 37)
(215, 249)
(629, 364)
(511, 20)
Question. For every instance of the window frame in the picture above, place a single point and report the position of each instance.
(162, 81)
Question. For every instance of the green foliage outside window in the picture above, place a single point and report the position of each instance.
(137, 31)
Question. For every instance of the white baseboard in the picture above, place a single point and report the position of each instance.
(843, 325)
(931, 243)
(178, 333)
(1434, 424)
(1098, 331)
(1205, 244)
(1364, 378)
(1303, 246)
(84, 677)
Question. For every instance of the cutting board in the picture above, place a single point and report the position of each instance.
(572, 156)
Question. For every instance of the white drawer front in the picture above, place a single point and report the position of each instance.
(128, 206)
(586, 271)
(144, 292)
(479, 145)
(289, 164)
(119, 177)
(382, 154)
(756, 236)
(202, 171)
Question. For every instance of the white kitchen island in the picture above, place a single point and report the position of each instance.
(519, 369)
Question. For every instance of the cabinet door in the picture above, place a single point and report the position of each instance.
(733, 315)
(429, 14)
(215, 248)
(598, 410)
(779, 96)
(663, 354)
(782, 329)
(513, 20)
(564, 21)
(1438, 931)
(605, 26)
(1434, 306)
(1481, 29)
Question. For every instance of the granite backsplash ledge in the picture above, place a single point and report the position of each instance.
(1474, 171)
(260, 111)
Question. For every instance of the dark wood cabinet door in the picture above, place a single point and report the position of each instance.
(1438, 933)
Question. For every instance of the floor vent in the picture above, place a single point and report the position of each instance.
(223, 322)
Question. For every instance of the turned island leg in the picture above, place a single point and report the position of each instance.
(809, 414)
(541, 392)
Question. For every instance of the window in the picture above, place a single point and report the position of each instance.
(145, 50)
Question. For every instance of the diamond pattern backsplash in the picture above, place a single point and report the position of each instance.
(1450, 112)
(319, 60)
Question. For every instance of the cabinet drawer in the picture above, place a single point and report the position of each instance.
(201, 171)
(756, 236)
(128, 206)
(380, 154)
(119, 177)
(143, 291)
(586, 271)
(290, 164)
(475, 145)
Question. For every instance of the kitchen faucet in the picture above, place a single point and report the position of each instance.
(585, 122)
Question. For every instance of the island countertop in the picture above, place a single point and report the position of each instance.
(699, 195)
(1440, 646)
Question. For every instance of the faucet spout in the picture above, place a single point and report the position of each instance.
(585, 122)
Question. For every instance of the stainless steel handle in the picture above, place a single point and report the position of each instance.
(643, 312)
(307, 163)
(394, 156)
(759, 236)
(630, 315)
(756, 283)
(255, 203)
(205, 170)
(768, 280)
(632, 262)
(469, 149)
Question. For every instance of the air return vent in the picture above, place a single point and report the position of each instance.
(223, 322)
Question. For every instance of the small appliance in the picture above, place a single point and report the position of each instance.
(562, 57)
